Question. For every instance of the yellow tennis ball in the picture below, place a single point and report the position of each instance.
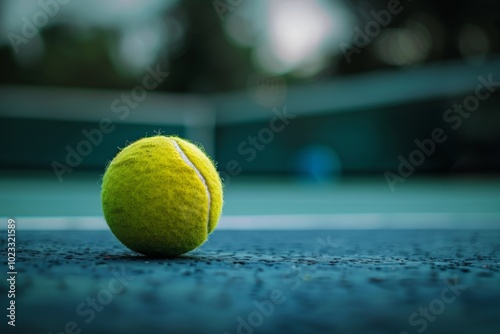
(162, 196)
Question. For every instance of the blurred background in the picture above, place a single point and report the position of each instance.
(320, 113)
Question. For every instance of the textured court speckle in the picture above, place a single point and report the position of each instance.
(328, 282)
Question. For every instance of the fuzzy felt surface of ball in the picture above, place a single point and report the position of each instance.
(162, 196)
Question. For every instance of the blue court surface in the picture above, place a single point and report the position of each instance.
(361, 264)
(319, 281)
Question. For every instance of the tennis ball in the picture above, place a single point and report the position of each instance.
(161, 196)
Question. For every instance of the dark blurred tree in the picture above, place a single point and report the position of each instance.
(203, 60)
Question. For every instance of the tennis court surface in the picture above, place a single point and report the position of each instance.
(320, 281)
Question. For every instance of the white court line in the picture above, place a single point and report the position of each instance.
(353, 221)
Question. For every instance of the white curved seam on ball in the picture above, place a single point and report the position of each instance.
(200, 176)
